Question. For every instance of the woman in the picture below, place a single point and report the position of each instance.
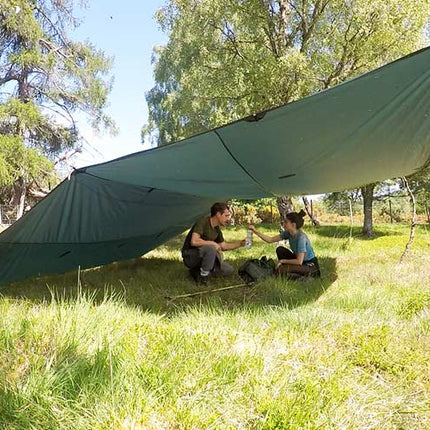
(301, 260)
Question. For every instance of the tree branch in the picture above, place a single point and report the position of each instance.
(413, 222)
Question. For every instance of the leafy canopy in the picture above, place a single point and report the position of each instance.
(227, 59)
(46, 78)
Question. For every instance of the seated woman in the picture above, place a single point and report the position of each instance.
(299, 262)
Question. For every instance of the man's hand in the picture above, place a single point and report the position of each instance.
(243, 243)
(217, 247)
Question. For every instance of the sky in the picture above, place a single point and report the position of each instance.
(127, 31)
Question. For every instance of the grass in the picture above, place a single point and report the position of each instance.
(349, 351)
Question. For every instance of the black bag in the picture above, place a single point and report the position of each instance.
(255, 270)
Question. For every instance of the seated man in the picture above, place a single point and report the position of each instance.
(204, 244)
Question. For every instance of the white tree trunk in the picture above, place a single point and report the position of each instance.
(20, 197)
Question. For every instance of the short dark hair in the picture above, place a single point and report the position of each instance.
(219, 207)
(296, 218)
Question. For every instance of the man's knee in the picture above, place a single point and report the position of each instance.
(226, 269)
(208, 250)
(191, 258)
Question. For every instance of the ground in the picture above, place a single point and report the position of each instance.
(108, 350)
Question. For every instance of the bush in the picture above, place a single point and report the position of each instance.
(244, 214)
(254, 211)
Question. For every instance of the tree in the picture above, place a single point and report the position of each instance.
(367, 195)
(227, 59)
(419, 184)
(309, 211)
(343, 202)
(46, 79)
(20, 165)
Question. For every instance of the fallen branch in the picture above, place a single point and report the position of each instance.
(199, 293)
(413, 223)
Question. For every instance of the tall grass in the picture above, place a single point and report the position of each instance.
(349, 351)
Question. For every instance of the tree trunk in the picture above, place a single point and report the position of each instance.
(19, 196)
(285, 205)
(310, 213)
(367, 193)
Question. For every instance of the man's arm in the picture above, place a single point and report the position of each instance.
(268, 239)
(228, 246)
(196, 240)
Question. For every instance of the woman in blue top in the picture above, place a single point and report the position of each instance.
(301, 260)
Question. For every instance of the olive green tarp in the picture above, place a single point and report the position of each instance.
(368, 129)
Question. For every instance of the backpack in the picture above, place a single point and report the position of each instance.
(255, 270)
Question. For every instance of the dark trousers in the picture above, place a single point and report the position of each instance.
(207, 258)
(310, 268)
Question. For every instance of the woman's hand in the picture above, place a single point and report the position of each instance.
(252, 228)
(279, 264)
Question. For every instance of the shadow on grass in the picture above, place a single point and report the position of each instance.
(343, 231)
(147, 282)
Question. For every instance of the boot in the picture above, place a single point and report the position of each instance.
(203, 280)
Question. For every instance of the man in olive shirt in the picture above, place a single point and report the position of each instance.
(203, 246)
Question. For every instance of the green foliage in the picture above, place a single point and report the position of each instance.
(254, 211)
(16, 161)
(225, 60)
(45, 80)
(19, 115)
(41, 65)
(388, 199)
(342, 202)
(420, 186)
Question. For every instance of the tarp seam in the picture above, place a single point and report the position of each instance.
(241, 165)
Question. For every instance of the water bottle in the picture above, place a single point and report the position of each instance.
(248, 240)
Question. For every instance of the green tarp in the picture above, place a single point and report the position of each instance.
(371, 128)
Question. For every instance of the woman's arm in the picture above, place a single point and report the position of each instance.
(268, 239)
(297, 261)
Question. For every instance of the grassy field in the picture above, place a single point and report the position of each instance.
(348, 351)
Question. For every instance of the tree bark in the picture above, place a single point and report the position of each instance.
(367, 194)
(19, 196)
(285, 205)
(310, 213)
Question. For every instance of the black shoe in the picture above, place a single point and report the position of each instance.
(194, 273)
(203, 280)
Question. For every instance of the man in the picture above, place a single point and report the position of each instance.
(204, 244)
